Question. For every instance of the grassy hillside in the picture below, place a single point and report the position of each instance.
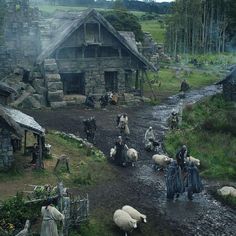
(156, 29)
(209, 130)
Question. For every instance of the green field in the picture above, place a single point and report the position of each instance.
(209, 130)
(156, 29)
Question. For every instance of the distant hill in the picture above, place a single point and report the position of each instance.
(160, 8)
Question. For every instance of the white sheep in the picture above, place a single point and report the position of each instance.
(226, 191)
(135, 214)
(124, 221)
(194, 160)
(112, 152)
(132, 155)
(161, 160)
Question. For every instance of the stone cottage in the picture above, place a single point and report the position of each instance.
(66, 55)
(229, 85)
(86, 55)
(14, 126)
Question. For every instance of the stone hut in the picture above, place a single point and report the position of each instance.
(229, 85)
(14, 125)
(84, 55)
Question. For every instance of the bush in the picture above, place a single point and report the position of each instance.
(14, 212)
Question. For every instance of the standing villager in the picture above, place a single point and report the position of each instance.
(90, 128)
(184, 87)
(181, 157)
(35, 153)
(174, 183)
(150, 140)
(120, 152)
(193, 180)
(123, 124)
(174, 122)
(50, 217)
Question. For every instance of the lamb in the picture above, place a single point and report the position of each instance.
(194, 160)
(226, 191)
(161, 160)
(124, 221)
(132, 155)
(135, 214)
(112, 152)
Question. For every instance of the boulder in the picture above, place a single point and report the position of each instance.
(55, 96)
(30, 102)
(55, 105)
(51, 68)
(52, 77)
(54, 86)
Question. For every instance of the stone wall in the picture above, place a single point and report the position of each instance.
(21, 41)
(6, 150)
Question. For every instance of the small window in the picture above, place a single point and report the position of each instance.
(92, 33)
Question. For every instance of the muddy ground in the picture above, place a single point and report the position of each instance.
(141, 186)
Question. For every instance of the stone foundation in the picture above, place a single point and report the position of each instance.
(6, 150)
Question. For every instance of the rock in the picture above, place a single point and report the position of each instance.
(55, 96)
(54, 86)
(51, 77)
(29, 89)
(41, 98)
(55, 105)
(51, 67)
(128, 97)
(27, 101)
(145, 99)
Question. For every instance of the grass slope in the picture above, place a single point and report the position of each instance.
(209, 130)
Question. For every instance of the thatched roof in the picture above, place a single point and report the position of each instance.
(230, 78)
(6, 88)
(71, 22)
(18, 120)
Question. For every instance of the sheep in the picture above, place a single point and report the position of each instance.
(112, 152)
(132, 155)
(194, 160)
(124, 221)
(226, 191)
(135, 214)
(161, 160)
(25, 231)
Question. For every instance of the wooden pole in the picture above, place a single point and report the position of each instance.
(150, 85)
(25, 139)
(39, 162)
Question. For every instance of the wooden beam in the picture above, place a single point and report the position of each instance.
(150, 85)
(25, 139)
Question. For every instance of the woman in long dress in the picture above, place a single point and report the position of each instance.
(50, 216)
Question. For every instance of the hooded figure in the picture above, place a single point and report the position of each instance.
(120, 148)
(50, 216)
(181, 156)
(174, 183)
(174, 122)
(193, 180)
(123, 124)
(149, 140)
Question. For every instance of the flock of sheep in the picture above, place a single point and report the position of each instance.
(127, 218)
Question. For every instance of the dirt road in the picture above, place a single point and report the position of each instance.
(141, 186)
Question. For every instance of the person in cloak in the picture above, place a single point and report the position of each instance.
(123, 124)
(174, 182)
(193, 180)
(181, 157)
(50, 217)
(120, 152)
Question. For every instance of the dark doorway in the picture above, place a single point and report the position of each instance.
(73, 83)
(111, 81)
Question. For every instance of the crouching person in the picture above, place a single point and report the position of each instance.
(150, 141)
(50, 217)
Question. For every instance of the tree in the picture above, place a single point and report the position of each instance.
(124, 21)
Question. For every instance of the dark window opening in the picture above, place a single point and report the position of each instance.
(73, 83)
(108, 52)
(111, 81)
(70, 53)
(92, 33)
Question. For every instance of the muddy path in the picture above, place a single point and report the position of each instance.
(141, 186)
